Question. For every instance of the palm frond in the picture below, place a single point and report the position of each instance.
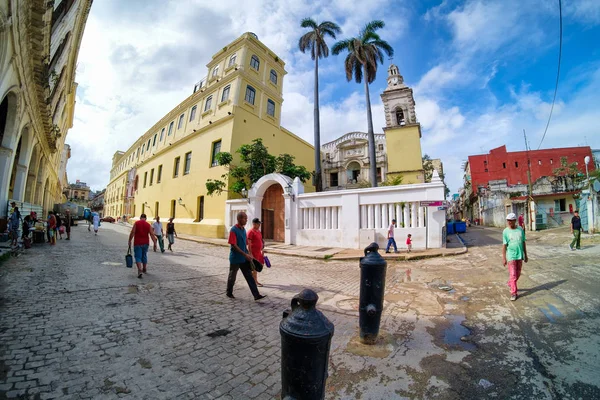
(308, 23)
(329, 28)
(369, 37)
(341, 46)
(374, 25)
(371, 72)
(385, 46)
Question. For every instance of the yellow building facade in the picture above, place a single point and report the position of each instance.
(165, 171)
(402, 131)
(39, 45)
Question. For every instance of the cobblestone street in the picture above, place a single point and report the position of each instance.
(77, 324)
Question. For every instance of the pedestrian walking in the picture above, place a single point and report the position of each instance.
(514, 252)
(522, 221)
(68, 221)
(391, 240)
(409, 242)
(96, 222)
(57, 230)
(576, 232)
(13, 225)
(159, 233)
(140, 234)
(51, 227)
(171, 233)
(239, 258)
(256, 246)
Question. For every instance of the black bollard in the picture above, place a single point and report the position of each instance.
(305, 340)
(372, 289)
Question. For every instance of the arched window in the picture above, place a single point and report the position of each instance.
(400, 117)
(353, 172)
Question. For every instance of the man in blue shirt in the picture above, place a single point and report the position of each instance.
(239, 258)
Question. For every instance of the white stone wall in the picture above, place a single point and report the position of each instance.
(352, 218)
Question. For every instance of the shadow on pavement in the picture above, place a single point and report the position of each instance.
(545, 286)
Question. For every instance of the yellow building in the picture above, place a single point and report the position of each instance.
(402, 130)
(39, 44)
(165, 171)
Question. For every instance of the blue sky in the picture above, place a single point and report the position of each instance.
(481, 71)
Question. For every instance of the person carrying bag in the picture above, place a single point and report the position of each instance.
(129, 259)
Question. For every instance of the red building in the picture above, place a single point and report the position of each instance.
(512, 166)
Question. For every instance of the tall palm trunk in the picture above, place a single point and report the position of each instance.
(318, 180)
(370, 133)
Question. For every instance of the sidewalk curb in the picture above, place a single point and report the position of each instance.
(406, 257)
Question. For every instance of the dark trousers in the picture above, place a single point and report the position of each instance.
(247, 272)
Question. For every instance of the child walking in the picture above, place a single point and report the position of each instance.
(514, 252)
(409, 242)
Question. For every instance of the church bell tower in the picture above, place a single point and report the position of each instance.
(398, 100)
(402, 130)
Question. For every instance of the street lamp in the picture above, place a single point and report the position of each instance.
(289, 190)
(245, 195)
(590, 198)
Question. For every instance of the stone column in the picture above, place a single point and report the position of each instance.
(6, 158)
(407, 215)
(421, 217)
(413, 215)
(20, 181)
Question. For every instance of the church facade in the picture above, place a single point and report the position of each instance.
(398, 150)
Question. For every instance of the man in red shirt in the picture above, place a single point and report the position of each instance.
(139, 234)
(255, 247)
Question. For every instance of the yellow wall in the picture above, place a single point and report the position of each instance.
(234, 121)
(275, 138)
(404, 153)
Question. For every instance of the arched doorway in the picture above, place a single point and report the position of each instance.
(273, 213)
(353, 172)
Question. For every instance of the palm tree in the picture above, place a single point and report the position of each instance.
(364, 53)
(314, 40)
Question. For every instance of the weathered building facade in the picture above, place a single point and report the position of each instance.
(39, 44)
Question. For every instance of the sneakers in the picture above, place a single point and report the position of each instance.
(140, 275)
(513, 297)
(230, 295)
(260, 296)
(571, 247)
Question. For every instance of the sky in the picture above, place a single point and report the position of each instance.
(481, 71)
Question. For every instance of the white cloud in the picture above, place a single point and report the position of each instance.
(139, 59)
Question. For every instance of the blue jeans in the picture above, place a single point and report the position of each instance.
(141, 253)
(391, 242)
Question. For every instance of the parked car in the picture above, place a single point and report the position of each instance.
(108, 219)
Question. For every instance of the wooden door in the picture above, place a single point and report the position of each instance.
(273, 213)
(268, 226)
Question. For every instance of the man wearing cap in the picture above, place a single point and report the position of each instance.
(576, 231)
(514, 252)
(239, 259)
(256, 246)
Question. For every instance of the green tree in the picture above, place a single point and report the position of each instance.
(394, 181)
(569, 172)
(255, 162)
(364, 53)
(314, 40)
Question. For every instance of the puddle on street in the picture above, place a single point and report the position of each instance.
(455, 331)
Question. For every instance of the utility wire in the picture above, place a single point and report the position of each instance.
(557, 73)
